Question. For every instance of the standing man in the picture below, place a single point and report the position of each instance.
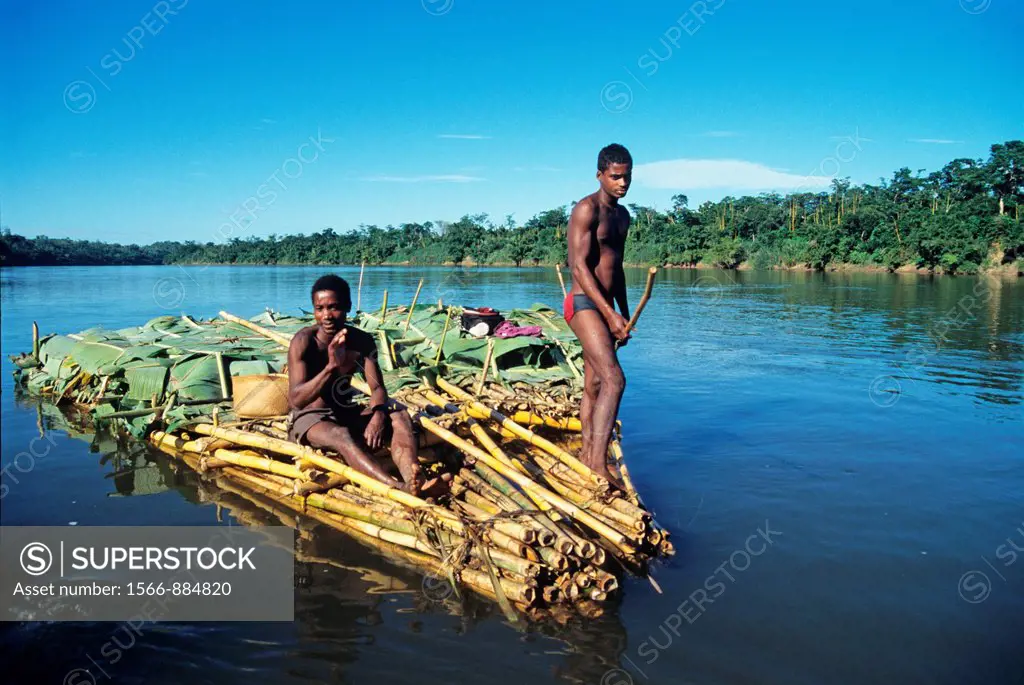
(597, 241)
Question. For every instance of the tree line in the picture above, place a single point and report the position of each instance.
(961, 219)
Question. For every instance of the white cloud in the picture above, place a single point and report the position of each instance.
(683, 174)
(855, 136)
(268, 121)
(934, 141)
(442, 178)
(539, 167)
(463, 136)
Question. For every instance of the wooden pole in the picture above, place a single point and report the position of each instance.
(561, 281)
(413, 306)
(359, 290)
(35, 341)
(384, 307)
(643, 300)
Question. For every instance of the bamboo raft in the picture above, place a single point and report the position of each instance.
(526, 524)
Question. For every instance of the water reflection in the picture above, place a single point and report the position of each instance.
(344, 591)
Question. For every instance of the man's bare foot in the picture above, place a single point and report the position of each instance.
(408, 466)
(613, 480)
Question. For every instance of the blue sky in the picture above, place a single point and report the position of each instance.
(135, 122)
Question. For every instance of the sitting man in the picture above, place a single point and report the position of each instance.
(321, 361)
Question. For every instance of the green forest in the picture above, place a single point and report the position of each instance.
(963, 218)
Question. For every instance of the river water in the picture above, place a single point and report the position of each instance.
(839, 456)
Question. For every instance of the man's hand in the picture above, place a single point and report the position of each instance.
(338, 357)
(617, 325)
(374, 433)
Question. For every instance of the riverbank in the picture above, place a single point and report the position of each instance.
(1011, 270)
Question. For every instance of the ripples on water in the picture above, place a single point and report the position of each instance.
(835, 408)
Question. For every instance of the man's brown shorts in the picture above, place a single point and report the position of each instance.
(355, 420)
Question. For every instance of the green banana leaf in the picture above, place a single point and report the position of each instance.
(92, 357)
(196, 377)
(144, 382)
(249, 368)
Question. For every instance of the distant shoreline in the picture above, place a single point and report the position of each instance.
(1011, 270)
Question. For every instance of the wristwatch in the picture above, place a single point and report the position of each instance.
(379, 407)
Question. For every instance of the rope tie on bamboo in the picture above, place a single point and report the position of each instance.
(457, 559)
(453, 559)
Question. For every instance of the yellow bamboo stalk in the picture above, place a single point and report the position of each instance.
(225, 389)
(309, 487)
(326, 463)
(484, 439)
(620, 461)
(35, 341)
(485, 506)
(487, 364)
(614, 537)
(512, 554)
(415, 297)
(384, 306)
(633, 528)
(479, 410)
(231, 457)
(444, 334)
(279, 338)
(532, 419)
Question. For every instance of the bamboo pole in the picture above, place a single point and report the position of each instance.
(189, 321)
(225, 390)
(442, 516)
(616, 450)
(309, 454)
(359, 290)
(444, 334)
(614, 537)
(583, 547)
(528, 502)
(626, 525)
(487, 363)
(561, 281)
(479, 410)
(415, 297)
(561, 541)
(229, 457)
(35, 340)
(532, 419)
(353, 509)
(384, 307)
(276, 337)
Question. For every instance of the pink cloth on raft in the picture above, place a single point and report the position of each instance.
(508, 329)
